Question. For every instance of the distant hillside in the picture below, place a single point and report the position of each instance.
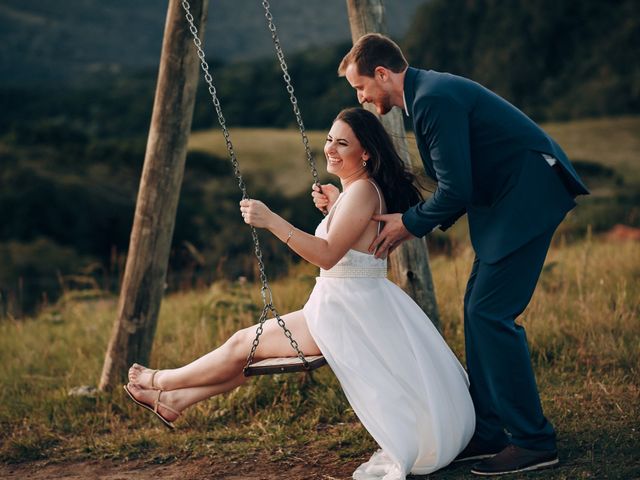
(61, 41)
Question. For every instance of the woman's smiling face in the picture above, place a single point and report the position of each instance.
(343, 150)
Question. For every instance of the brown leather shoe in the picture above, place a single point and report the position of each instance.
(515, 459)
(476, 450)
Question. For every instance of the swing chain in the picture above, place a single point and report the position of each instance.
(292, 97)
(287, 333)
(266, 289)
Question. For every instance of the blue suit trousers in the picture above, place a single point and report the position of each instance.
(503, 386)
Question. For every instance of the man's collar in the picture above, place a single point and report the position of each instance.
(404, 101)
(409, 87)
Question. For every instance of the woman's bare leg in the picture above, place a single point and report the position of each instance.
(226, 362)
(182, 398)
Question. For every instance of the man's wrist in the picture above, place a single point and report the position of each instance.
(408, 225)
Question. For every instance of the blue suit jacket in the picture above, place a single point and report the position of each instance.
(486, 156)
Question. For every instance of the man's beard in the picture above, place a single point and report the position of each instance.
(385, 104)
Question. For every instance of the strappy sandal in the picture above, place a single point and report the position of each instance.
(156, 404)
(153, 376)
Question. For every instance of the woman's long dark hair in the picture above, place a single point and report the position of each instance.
(385, 166)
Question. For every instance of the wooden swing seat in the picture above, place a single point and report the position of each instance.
(275, 365)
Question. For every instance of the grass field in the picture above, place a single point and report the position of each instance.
(276, 160)
(583, 328)
(258, 150)
(613, 142)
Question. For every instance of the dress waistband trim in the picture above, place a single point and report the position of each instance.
(346, 271)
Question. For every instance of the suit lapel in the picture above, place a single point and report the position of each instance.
(411, 82)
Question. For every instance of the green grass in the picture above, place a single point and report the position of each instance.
(275, 160)
(277, 155)
(583, 327)
(614, 142)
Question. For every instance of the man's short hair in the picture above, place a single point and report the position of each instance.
(373, 50)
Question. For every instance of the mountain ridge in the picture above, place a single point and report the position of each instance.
(40, 41)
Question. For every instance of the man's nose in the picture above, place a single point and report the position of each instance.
(360, 98)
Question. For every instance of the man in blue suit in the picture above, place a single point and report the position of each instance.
(516, 185)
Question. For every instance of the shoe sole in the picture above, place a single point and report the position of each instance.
(537, 466)
(475, 457)
(166, 423)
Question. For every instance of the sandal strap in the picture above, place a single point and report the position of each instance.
(153, 376)
(158, 403)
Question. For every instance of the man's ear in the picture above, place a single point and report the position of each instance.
(381, 73)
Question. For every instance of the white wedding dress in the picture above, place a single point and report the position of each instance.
(403, 382)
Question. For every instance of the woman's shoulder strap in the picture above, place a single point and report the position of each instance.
(379, 195)
(379, 199)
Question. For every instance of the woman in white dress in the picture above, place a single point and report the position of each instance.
(401, 379)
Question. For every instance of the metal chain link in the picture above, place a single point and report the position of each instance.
(268, 305)
(292, 97)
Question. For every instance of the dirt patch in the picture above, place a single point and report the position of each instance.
(327, 468)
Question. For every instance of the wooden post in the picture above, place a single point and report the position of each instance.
(410, 262)
(153, 225)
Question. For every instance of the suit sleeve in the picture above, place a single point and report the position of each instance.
(445, 127)
(444, 226)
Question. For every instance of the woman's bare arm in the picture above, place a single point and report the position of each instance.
(347, 226)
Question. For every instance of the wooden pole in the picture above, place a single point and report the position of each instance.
(153, 225)
(410, 262)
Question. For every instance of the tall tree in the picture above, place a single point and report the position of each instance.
(410, 261)
(157, 202)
